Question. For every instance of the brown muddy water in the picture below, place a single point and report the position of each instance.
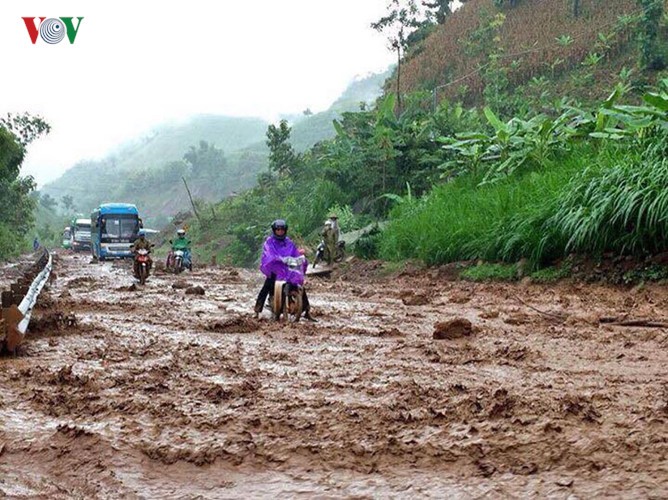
(149, 392)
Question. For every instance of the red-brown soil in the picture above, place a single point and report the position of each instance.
(149, 392)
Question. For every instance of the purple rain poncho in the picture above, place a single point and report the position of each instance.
(272, 253)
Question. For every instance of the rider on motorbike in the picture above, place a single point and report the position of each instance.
(276, 247)
(140, 243)
(181, 243)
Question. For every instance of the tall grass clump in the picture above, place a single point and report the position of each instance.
(463, 220)
(619, 204)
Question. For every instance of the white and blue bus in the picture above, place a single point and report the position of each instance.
(114, 227)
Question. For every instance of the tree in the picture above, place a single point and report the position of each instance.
(67, 202)
(282, 157)
(397, 25)
(650, 41)
(47, 201)
(443, 9)
(25, 127)
(16, 209)
(207, 164)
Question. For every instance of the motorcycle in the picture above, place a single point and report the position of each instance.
(175, 261)
(142, 265)
(339, 252)
(288, 298)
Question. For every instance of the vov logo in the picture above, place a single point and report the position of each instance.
(53, 29)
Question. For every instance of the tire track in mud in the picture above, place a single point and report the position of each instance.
(155, 392)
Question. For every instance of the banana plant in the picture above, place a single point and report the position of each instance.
(625, 121)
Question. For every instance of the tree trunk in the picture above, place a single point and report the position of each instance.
(399, 80)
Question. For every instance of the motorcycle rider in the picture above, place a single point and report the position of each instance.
(276, 246)
(181, 243)
(140, 243)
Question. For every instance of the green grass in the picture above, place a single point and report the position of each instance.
(490, 272)
(551, 274)
(590, 202)
(504, 221)
(618, 204)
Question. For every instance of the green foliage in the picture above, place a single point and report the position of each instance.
(551, 274)
(347, 219)
(509, 147)
(376, 152)
(490, 272)
(652, 272)
(602, 195)
(618, 205)
(67, 202)
(652, 48)
(368, 246)
(282, 157)
(463, 220)
(402, 18)
(25, 127)
(565, 40)
(16, 207)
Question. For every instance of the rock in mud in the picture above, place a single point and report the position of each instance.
(453, 329)
(414, 299)
(181, 285)
(460, 297)
(52, 321)
(566, 482)
(489, 314)
(195, 290)
(233, 325)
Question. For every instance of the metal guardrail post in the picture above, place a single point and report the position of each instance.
(18, 303)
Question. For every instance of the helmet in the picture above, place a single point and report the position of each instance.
(333, 216)
(279, 223)
(328, 222)
(181, 232)
(141, 233)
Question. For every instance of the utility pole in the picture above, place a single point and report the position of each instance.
(191, 200)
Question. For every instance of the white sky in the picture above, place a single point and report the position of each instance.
(135, 64)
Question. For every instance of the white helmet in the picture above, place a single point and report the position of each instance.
(181, 232)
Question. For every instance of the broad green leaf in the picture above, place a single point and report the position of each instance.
(657, 101)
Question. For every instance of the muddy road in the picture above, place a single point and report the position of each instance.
(147, 392)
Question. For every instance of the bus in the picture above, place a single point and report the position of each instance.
(80, 231)
(114, 227)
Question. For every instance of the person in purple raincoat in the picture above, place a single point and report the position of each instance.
(276, 247)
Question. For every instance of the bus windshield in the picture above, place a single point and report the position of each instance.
(119, 227)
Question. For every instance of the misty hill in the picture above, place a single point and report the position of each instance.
(306, 131)
(231, 152)
(169, 142)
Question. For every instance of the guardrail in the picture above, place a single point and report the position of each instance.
(19, 301)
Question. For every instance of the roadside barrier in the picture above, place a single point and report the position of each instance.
(19, 301)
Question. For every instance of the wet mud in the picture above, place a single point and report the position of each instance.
(407, 386)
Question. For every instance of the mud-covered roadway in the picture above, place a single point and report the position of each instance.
(123, 391)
